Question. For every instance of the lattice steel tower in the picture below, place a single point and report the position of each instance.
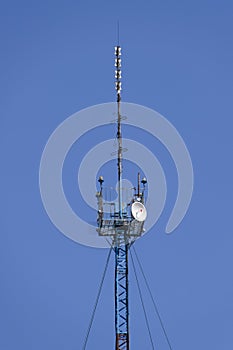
(121, 222)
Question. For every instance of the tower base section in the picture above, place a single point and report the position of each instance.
(122, 341)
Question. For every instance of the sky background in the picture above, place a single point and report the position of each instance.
(56, 59)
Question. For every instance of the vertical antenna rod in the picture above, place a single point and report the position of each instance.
(119, 135)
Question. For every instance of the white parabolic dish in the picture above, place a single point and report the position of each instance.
(138, 211)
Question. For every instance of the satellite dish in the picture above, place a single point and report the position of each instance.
(138, 211)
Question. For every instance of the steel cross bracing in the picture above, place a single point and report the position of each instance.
(121, 297)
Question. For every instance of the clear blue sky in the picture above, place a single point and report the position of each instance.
(57, 58)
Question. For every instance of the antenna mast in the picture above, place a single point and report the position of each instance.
(119, 134)
(122, 244)
(123, 225)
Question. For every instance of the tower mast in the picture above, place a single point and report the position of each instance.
(121, 244)
(122, 225)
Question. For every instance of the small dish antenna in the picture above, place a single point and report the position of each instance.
(138, 211)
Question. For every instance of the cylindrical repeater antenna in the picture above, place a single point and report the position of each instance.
(119, 134)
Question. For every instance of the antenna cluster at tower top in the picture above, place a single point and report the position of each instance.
(118, 71)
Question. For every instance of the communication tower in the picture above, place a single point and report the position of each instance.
(121, 222)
